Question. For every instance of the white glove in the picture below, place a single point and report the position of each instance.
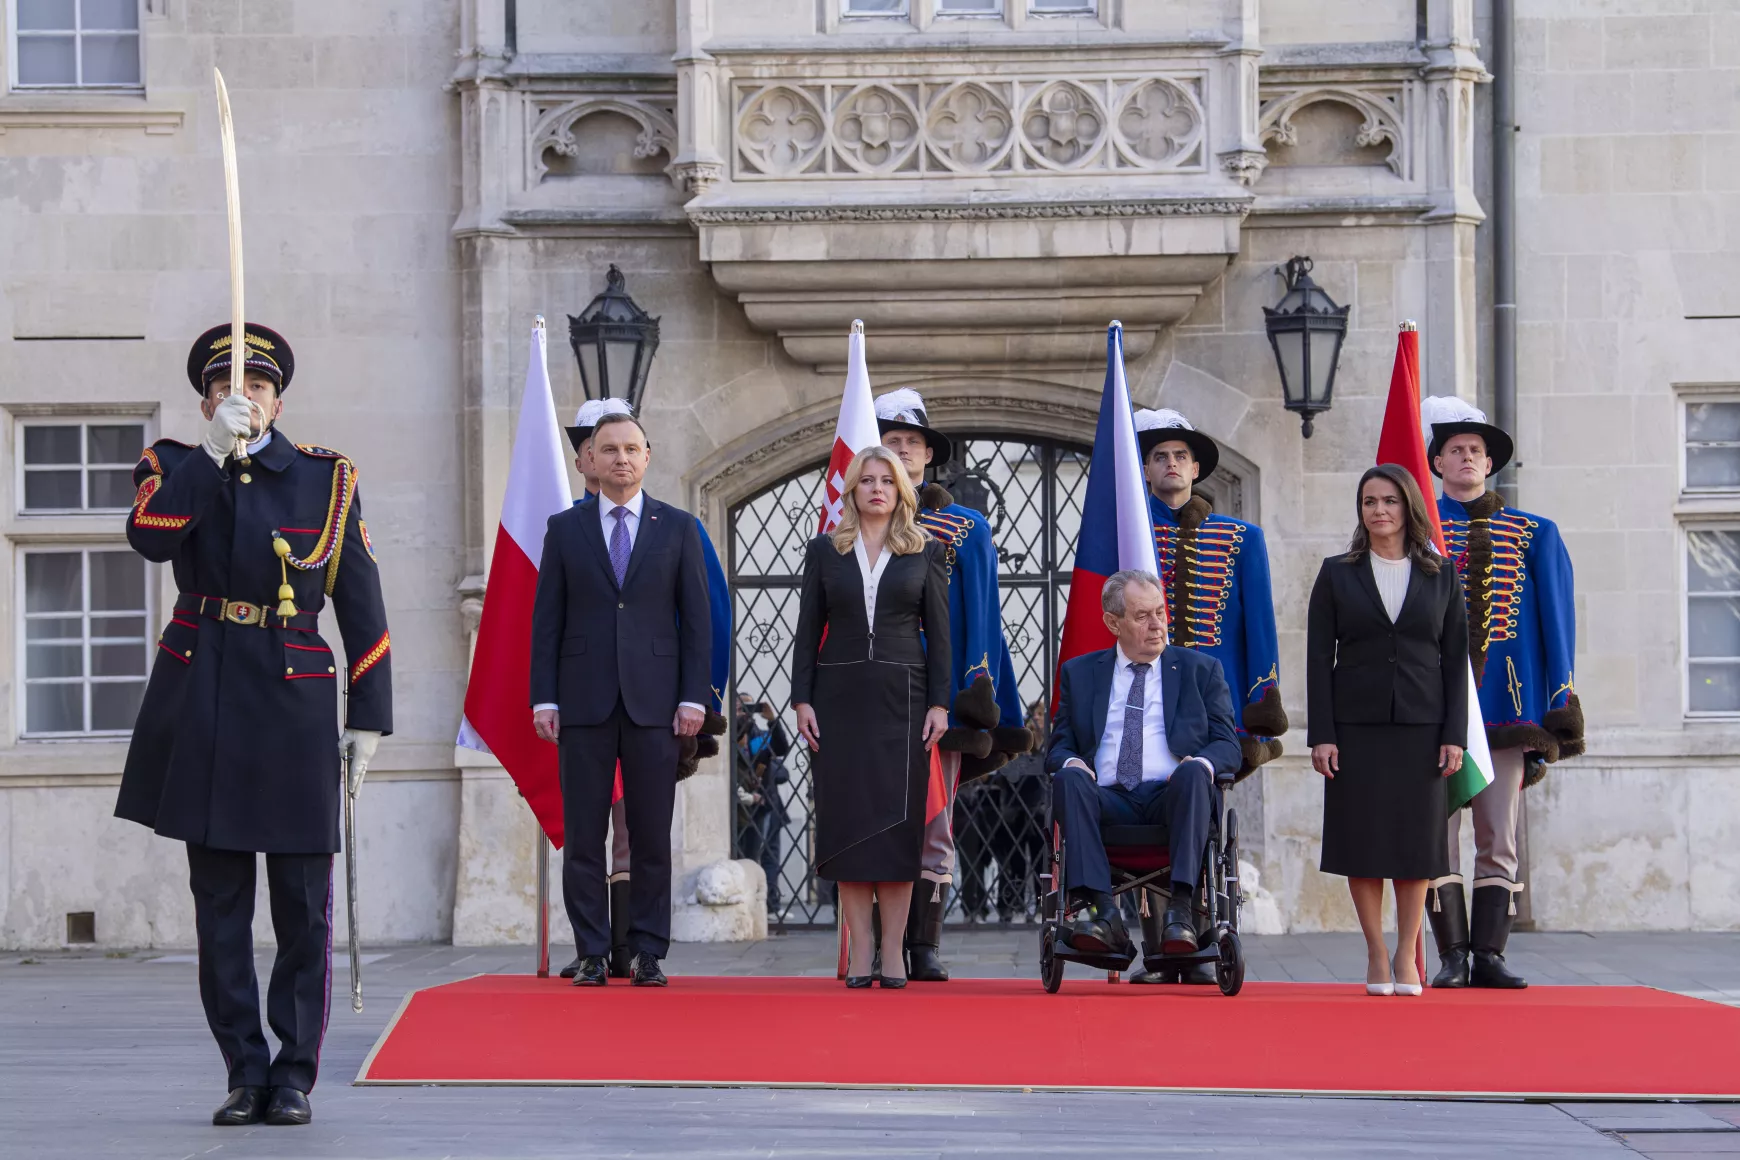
(358, 745)
(232, 419)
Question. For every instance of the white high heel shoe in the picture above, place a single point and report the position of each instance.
(1410, 990)
(1380, 988)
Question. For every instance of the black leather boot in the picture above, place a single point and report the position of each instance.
(621, 962)
(924, 934)
(1488, 936)
(1447, 907)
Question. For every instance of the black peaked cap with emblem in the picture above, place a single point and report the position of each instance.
(267, 351)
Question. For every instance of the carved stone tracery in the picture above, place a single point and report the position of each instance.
(554, 128)
(1380, 106)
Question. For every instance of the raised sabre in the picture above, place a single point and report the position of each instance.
(350, 867)
(238, 315)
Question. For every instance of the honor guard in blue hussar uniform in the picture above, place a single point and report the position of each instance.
(1215, 570)
(237, 749)
(692, 749)
(986, 722)
(1522, 629)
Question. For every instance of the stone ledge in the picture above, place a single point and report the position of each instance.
(95, 112)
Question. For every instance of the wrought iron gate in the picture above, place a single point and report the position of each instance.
(1031, 492)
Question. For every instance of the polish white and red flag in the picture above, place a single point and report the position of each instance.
(498, 713)
(855, 430)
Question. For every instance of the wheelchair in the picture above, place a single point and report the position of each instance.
(1141, 862)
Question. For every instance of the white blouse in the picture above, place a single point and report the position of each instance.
(1392, 581)
(872, 577)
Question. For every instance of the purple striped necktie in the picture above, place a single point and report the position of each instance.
(619, 545)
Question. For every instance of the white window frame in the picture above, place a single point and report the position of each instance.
(1687, 401)
(1089, 8)
(14, 33)
(22, 617)
(83, 423)
(995, 13)
(904, 13)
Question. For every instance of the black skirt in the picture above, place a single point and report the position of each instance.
(872, 771)
(1385, 810)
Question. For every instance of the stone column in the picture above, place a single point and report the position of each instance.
(1450, 328)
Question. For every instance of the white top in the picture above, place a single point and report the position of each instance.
(254, 447)
(1392, 581)
(607, 519)
(872, 577)
(1158, 761)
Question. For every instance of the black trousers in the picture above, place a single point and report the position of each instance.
(299, 995)
(1183, 804)
(589, 754)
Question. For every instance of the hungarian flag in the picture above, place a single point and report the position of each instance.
(1117, 531)
(1402, 442)
(498, 713)
(855, 430)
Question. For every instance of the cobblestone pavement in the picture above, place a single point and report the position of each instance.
(108, 1055)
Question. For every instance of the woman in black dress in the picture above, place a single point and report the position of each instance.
(1387, 686)
(869, 695)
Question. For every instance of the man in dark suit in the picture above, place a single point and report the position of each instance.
(1141, 733)
(621, 646)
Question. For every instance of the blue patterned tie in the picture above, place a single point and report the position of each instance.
(1130, 748)
(619, 545)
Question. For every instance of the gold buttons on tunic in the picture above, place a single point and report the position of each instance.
(246, 478)
(330, 669)
(188, 653)
(289, 672)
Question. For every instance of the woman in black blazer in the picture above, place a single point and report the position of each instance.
(869, 689)
(1387, 690)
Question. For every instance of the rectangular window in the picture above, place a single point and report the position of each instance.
(1713, 446)
(1062, 7)
(86, 644)
(873, 7)
(71, 467)
(969, 7)
(77, 44)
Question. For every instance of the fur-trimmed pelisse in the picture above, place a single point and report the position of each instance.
(976, 705)
(691, 751)
(1266, 717)
(1559, 736)
(934, 497)
(1190, 518)
(1013, 740)
(1255, 752)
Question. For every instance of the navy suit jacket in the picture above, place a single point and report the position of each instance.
(1199, 715)
(648, 642)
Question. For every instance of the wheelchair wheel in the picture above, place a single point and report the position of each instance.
(1050, 966)
(1229, 968)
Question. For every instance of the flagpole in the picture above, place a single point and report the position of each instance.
(540, 844)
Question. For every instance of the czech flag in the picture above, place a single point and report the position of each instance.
(1117, 531)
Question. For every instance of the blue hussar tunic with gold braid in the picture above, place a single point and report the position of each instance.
(1215, 570)
(236, 745)
(975, 607)
(1516, 577)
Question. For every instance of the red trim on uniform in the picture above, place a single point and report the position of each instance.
(307, 647)
(184, 623)
(173, 653)
(304, 531)
(305, 676)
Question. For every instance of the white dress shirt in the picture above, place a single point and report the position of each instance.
(1392, 582)
(872, 577)
(607, 520)
(1158, 760)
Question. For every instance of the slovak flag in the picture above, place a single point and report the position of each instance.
(1117, 531)
(498, 713)
(855, 430)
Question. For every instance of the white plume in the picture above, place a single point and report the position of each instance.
(1149, 420)
(593, 410)
(1436, 409)
(903, 405)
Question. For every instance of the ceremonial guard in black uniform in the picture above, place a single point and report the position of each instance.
(237, 749)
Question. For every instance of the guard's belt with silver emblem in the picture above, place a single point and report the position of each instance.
(244, 612)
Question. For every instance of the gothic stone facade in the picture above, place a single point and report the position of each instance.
(986, 184)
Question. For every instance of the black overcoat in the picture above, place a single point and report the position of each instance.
(236, 746)
(870, 690)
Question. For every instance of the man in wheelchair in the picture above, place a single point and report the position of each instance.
(1140, 735)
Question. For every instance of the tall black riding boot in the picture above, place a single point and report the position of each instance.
(620, 959)
(924, 934)
(1491, 930)
(1447, 907)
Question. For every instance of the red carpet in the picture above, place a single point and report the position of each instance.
(1275, 1037)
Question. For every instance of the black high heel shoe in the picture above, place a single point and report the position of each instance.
(859, 982)
(888, 984)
